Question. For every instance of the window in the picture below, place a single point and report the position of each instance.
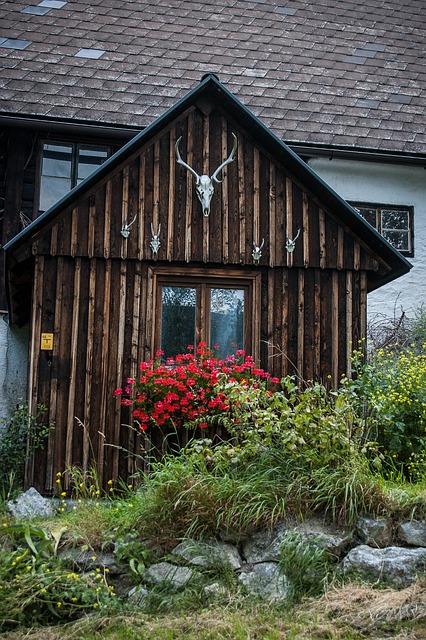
(64, 165)
(395, 223)
(218, 310)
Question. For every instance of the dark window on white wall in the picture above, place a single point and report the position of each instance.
(395, 223)
(64, 165)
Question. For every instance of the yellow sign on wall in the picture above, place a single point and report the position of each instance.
(46, 342)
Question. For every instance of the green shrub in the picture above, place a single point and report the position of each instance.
(288, 453)
(37, 587)
(20, 437)
(390, 390)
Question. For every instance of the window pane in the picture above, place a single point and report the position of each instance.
(52, 190)
(369, 215)
(89, 159)
(56, 160)
(227, 320)
(55, 174)
(177, 319)
(393, 219)
(399, 239)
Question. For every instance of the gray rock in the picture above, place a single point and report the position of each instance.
(395, 565)
(211, 553)
(374, 533)
(263, 546)
(138, 596)
(215, 590)
(31, 505)
(89, 560)
(335, 541)
(413, 533)
(265, 580)
(168, 574)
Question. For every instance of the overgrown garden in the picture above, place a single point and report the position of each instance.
(293, 449)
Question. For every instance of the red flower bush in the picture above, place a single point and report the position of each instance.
(183, 390)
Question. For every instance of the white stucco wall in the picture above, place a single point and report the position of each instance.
(386, 184)
(13, 368)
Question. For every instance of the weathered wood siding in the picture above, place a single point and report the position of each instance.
(100, 312)
(257, 200)
(94, 290)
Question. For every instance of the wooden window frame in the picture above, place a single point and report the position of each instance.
(75, 151)
(250, 281)
(379, 208)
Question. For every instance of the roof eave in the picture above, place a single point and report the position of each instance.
(270, 142)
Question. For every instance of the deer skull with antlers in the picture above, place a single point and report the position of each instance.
(204, 184)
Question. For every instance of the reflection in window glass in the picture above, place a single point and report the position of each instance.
(89, 159)
(393, 222)
(227, 320)
(177, 319)
(56, 174)
(63, 166)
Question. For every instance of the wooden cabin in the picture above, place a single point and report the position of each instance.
(94, 275)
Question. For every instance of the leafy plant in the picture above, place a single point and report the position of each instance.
(390, 393)
(38, 586)
(21, 437)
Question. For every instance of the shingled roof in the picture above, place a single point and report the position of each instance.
(347, 73)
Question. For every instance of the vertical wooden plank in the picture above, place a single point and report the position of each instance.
(189, 192)
(271, 320)
(125, 220)
(107, 217)
(119, 373)
(142, 212)
(150, 305)
(323, 253)
(326, 326)
(54, 241)
(156, 200)
(256, 197)
(317, 326)
(89, 363)
(99, 222)
(309, 323)
(289, 218)
(293, 322)
(206, 171)
(74, 235)
(225, 196)
(357, 256)
(349, 323)
(171, 194)
(279, 231)
(334, 329)
(340, 247)
(285, 322)
(306, 231)
(301, 324)
(343, 335)
(34, 350)
(363, 305)
(272, 215)
(91, 229)
(53, 435)
(73, 364)
(104, 350)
